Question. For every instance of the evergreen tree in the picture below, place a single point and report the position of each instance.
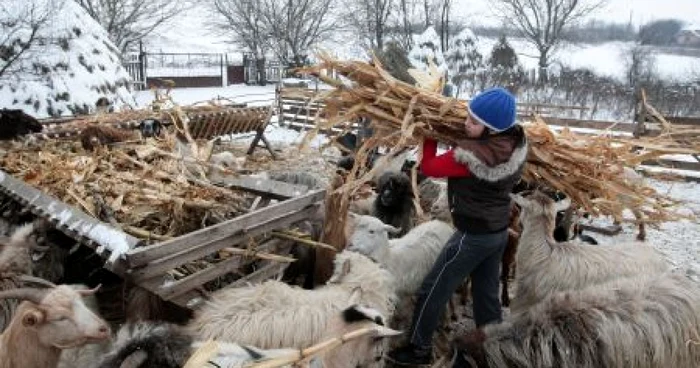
(427, 47)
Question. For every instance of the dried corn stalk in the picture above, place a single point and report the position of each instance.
(585, 168)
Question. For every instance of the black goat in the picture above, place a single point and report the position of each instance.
(15, 123)
(394, 202)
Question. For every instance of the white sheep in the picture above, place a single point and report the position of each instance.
(276, 315)
(544, 266)
(646, 321)
(148, 344)
(48, 321)
(408, 258)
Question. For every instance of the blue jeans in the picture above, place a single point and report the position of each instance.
(478, 255)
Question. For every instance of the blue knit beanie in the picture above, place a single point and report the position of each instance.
(494, 108)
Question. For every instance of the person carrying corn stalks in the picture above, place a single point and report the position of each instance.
(481, 173)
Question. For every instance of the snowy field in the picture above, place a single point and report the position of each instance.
(679, 241)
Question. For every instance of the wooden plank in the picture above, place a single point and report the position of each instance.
(679, 120)
(589, 124)
(195, 298)
(141, 256)
(264, 187)
(684, 165)
(190, 282)
(608, 230)
(203, 249)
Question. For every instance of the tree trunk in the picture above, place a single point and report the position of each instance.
(260, 68)
(543, 77)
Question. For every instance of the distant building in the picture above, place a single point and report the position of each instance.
(689, 36)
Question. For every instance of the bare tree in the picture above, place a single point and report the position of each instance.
(296, 25)
(129, 21)
(244, 19)
(542, 22)
(20, 32)
(445, 9)
(404, 21)
(370, 18)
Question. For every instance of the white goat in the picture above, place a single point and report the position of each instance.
(646, 321)
(275, 315)
(48, 321)
(544, 266)
(408, 258)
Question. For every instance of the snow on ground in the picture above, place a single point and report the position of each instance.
(253, 95)
(679, 241)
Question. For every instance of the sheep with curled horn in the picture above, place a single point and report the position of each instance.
(17, 268)
(646, 321)
(47, 322)
(545, 266)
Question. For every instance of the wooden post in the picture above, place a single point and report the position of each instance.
(336, 210)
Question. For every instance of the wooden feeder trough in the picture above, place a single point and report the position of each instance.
(150, 266)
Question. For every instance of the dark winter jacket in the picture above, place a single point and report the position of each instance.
(481, 174)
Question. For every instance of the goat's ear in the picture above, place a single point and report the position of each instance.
(391, 229)
(562, 205)
(383, 331)
(32, 318)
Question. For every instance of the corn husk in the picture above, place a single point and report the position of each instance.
(588, 169)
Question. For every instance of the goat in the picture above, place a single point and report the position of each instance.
(47, 322)
(275, 315)
(408, 258)
(16, 123)
(638, 322)
(394, 202)
(545, 266)
(15, 268)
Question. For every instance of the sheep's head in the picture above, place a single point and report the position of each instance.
(393, 188)
(369, 234)
(357, 317)
(59, 316)
(538, 204)
(352, 268)
(150, 128)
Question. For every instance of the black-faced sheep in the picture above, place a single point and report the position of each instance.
(638, 322)
(545, 266)
(394, 202)
(275, 315)
(16, 123)
(150, 128)
(408, 258)
(47, 322)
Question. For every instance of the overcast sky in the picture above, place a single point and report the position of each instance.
(641, 11)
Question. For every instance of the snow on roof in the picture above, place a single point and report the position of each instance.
(66, 73)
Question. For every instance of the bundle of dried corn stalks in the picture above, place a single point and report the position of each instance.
(585, 168)
(145, 189)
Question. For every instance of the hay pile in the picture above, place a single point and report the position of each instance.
(586, 169)
(143, 188)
